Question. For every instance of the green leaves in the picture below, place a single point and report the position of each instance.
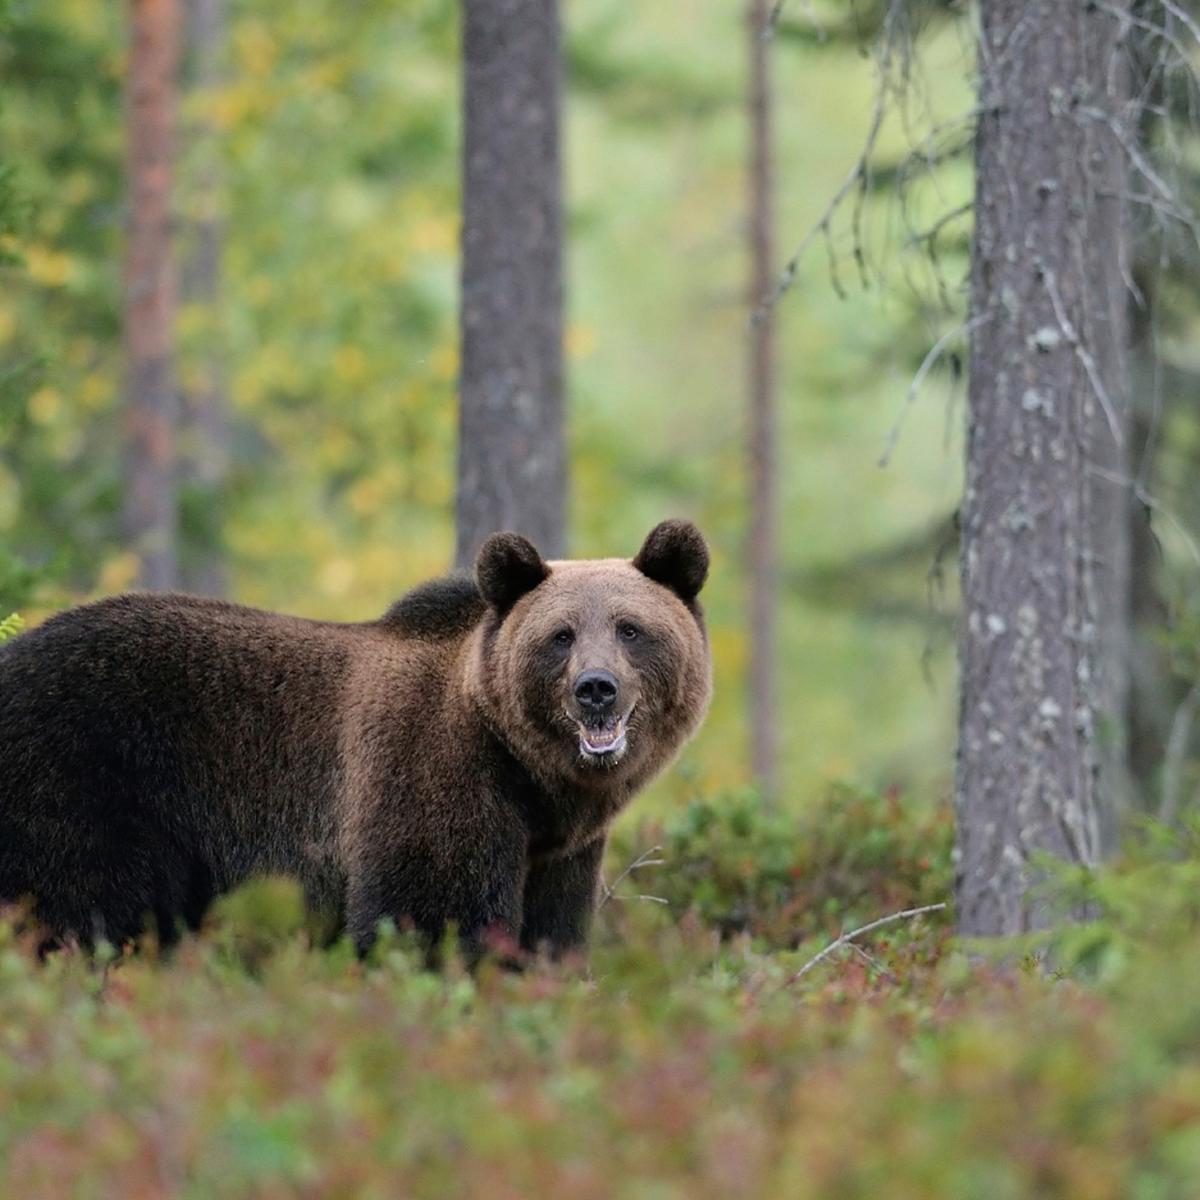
(678, 1065)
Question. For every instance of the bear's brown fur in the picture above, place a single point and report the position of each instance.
(458, 761)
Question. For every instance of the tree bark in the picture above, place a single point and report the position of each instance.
(1046, 409)
(511, 455)
(150, 500)
(206, 430)
(763, 552)
(1110, 335)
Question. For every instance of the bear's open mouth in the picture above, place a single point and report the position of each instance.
(605, 742)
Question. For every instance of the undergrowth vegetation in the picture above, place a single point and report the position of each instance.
(683, 1061)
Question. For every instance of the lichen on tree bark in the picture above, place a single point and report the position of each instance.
(1047, 404)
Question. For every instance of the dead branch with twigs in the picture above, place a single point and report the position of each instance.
(847, 938)
(648, 858)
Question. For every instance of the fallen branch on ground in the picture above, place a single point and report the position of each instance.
(847, 938)
(648, 858)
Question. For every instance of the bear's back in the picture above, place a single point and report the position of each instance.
(436, 611)
(156, 747)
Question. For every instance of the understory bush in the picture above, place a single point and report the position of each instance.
(783, 877)
(693, 1057)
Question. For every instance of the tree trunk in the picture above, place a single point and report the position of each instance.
(150, 500)
(511, 455)
(1107, 312)
(206, 433)
(1046, 409)
(763, 562)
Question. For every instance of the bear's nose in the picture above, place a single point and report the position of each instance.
(596, 692)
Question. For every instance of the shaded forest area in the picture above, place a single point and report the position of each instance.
(301, 302)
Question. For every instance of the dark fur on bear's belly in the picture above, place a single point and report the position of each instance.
(158, 750)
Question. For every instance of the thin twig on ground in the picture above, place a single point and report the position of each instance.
(847, 938)
(647, 858)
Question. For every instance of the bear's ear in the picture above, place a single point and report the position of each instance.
(675, 555)
(507, 567)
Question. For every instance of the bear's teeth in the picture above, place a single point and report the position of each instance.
(603, 741)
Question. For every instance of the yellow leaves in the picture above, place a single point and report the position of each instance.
(336, 577)
(580, 342)
(255, 50)
(435, 234)
(260, 289)
(119, 573)
(326, 75)
(374, 492)
(49, 267)
(229, 106)
(246, 390)
(44, 406)
(335, 449)
(10, 498)
(195, 321)
(349, 364)
(366, 496)
(272, 369)
(78, 187)
(443, 362)
(97, 392)
(80, 351)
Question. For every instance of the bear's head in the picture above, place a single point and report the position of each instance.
(594, 671)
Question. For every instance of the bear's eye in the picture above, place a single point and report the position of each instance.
(629, 633)
(564, 637)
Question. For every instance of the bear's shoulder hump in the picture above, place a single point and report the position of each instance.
(441, 608)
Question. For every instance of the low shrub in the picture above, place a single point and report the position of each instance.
(783, 878)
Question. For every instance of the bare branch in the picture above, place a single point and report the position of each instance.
(872, 961)
(1144, 497)
(846, 938)
(1169, 194)
(1175, 756)
(647, 858)
(1071, 334)
(965, 329)
(931, 232)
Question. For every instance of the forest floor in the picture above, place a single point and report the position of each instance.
(685, 1060)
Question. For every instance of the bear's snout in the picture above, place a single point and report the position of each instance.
(597, 693)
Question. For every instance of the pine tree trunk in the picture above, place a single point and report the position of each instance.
(1110, 337)
(206, 430)
(1046, 409)
(763, 561)
(150, 500)
(511, 456)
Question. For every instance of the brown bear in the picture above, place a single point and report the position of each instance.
(458, 761)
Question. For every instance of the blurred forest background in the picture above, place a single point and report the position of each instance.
(316, 231)
(324, 147)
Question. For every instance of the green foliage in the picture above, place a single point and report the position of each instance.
(784, 877)
(10, 626)
(327, 152)
(682, 1065)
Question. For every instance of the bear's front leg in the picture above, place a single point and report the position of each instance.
(473, 880)
(560, 898)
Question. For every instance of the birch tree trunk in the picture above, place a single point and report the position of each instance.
(150, 498)
(1046, 412)
(763, 551)
(511, 454)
